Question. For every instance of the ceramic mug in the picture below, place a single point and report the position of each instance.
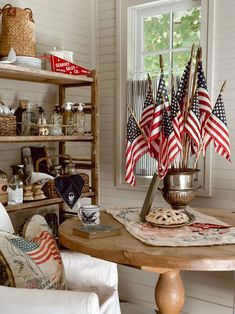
(89, 214)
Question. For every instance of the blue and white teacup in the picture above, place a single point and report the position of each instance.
(89, 214)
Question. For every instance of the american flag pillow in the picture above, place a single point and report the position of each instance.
(32, 261)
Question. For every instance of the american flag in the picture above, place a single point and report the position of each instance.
(40, 249)
(176, 118)
(147, 113)
(47, 249)
(203, 96)
(162, 92)
(192, 124)
(156, 125)
(136, 147)
(181, 91)
(168, 145)
(216, 129)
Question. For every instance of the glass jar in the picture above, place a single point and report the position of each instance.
(28, 121)
(56, 122)
(15, 191)
(3, 188)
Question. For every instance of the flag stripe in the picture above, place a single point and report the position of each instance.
(136, 147)
(216, 129)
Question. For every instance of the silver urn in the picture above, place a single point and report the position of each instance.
(179, 187)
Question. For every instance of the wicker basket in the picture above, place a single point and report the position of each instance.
(18, 31)
(7, 125)
(86, 187)
(49, 188)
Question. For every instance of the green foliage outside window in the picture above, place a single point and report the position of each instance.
(174, 47)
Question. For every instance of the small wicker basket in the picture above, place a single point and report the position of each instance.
(49, 188)
(7, 125)
(7, 121)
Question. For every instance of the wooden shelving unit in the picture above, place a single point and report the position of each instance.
(13, 72)
(63, 81)
(42, 203)
(42, 139)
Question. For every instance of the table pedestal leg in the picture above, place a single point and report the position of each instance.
(169, 293)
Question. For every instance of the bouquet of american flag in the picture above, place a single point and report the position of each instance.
(174, 128)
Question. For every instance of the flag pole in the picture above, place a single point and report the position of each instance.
(150, 86)
(149, 80)
(132, 112)
(187, 105)
(203, 142)
(193, 91)
(161, 63)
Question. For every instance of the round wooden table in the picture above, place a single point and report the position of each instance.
(168, 261)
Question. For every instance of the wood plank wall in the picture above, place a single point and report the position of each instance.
(206, 293)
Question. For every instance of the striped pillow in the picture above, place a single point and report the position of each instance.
(32, 261)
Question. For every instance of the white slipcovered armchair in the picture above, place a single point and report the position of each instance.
(91, 282)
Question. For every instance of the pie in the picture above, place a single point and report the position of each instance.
(167, 216)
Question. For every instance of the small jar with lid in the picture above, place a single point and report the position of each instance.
(3, 188)
(15, 190)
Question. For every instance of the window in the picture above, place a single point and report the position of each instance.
(168, 30)
(146, 30)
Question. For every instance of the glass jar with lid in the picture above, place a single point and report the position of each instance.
(15, 190)
(3, 188)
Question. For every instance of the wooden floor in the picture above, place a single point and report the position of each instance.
(129, 308)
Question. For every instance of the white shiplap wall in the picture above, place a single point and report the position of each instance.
(58, 23)
(206, 293)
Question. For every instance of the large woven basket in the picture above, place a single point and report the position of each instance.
(17, 31)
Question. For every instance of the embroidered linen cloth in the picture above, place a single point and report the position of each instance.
(204, 230)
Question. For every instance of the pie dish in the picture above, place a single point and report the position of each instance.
(167, 217)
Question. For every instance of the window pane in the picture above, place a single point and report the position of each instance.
(180, 59)
(156, 33)
(146, 166)
(152, 65)
(186, 28)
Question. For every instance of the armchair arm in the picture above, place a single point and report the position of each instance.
(86, 273)
(83, 271)
(27, 301)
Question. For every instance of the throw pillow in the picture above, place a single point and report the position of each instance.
(33, 261)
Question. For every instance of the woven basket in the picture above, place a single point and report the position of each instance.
(86, 187)
(7, 125)
(49, 188)
(17, 31)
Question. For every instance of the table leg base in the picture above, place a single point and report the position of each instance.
(169, 293)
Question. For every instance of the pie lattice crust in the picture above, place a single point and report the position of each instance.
(167, 216)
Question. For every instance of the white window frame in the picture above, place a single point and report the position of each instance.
(126, 21)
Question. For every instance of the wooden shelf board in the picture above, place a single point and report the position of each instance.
(41, 203)
(67, 138)
(14, 72)
(35, 204)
